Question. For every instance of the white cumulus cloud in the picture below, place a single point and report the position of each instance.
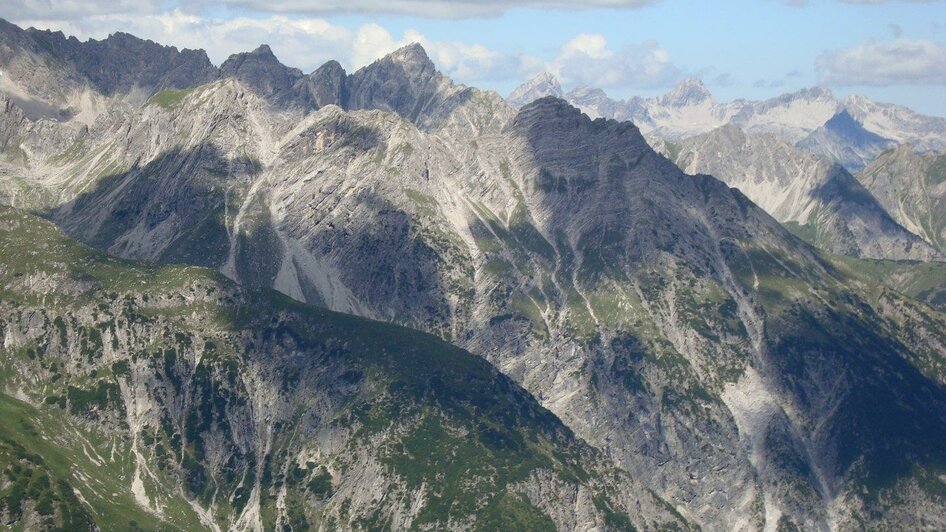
(305, 42)
(588, 60)
(900, 61)
(308, 42)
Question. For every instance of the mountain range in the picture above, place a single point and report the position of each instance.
(851, 131)
(632, 346)
(818, 199)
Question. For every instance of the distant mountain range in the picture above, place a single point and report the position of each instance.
(851, 131)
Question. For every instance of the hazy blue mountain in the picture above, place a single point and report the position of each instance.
(845, 141)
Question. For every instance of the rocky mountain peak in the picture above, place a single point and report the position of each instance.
(412, 56)
(856, 100)
(586, 92)
(551, 114)
(331, 66)
(544, 84)
(551, 105)
(114, 65)
(404, 81)
(842, 121)
(263, 50)
(818, 93)
(566, 140)
(730, 132)
(848, 127)
(690, 91)
(261, 71)
(595, 103)
(810, 94)
(327, 85)
(545, 78)
(263, 54)
(846, 141)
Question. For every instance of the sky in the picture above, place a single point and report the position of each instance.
(889, 50)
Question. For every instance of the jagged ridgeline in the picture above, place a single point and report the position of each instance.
(169, 398)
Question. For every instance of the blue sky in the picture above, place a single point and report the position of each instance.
(888, 50)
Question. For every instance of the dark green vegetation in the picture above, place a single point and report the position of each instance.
(35, 492)
(52, 482)
(146, 384)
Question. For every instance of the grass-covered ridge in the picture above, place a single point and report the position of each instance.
(195, 400)
(924, 281)
(170, 98)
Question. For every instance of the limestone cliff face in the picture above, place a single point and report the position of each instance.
(665, 318)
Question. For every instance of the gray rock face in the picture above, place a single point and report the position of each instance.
(912, 187)
(407, 83)
(790, 116)
(122, 62)
(818, 199)
(328, 85)
(665, 318)
(593, 102)
(13, 120)
(558, 276)
(262, 72)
